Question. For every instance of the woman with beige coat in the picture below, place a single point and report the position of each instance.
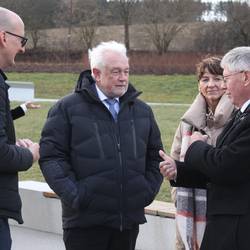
(208, 114)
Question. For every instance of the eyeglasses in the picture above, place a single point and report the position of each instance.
(23, 39)
(235, 73)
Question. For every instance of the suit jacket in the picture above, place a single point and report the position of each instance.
(17, 112)
(224, 170)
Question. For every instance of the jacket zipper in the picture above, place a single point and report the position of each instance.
(117, 142)
(121, 185)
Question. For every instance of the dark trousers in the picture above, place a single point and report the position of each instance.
(5, 239)
(100, 238)
(227, 232)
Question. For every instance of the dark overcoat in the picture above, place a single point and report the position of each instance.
(12, 158)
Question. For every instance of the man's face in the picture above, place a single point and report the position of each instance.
(112, 79)
(13, 44)
(234, 83)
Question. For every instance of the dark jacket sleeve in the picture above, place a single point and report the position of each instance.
(189, 178)
(17, 112)
(54, 157)
(153, 175)
(13, 158)
(226, 165)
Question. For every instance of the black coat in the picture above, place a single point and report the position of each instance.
(223, 170)
(104, 172)
(17, 112)
(12, 159)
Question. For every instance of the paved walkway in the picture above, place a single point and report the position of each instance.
(27, 239)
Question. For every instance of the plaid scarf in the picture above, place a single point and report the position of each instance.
(191, 206)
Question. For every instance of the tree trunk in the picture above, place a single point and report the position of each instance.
(126, 35)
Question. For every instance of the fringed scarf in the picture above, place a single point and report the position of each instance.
(191, 205)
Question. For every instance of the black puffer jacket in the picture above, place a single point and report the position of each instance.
(12, 159)
(104, 172)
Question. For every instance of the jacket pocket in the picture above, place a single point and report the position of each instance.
(84, 196)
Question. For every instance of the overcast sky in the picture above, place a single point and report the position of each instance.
(210, 15)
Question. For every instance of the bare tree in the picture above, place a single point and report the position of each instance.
(165, 19)
(86, 18)
(162, 34)
(210, 37)
(10, 4)
(238, 22)
(125, 9)
(40, 15)
(37, 15)
(87, 35)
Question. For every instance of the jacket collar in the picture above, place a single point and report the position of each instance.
(196, 115)
(3, 75)
(3, 79)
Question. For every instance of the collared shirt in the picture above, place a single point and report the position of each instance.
(3, 75)
(3, 78)
(244, 106)
(103, 97)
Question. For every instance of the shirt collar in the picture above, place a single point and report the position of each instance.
(101, 95)
(244, 106)
(3, 75)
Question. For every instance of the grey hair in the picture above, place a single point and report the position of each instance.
(237, 59)
(97, 54)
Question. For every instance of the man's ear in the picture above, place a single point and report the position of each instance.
(2, 39)
(247, 77)
(96, 73)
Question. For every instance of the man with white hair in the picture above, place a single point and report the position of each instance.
(99, 153)
(223, 170)
(14, 157)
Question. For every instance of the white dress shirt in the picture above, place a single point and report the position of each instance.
(103, 97)
(244, 106)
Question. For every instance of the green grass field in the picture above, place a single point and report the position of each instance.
(166, 88)
(174, 89)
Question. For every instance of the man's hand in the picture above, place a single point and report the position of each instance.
(25, 143)
(168, 166)
(34, 149)
(197, 136)
(31, 105)
(32, 146)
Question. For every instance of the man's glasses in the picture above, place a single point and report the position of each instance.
(23, 39)
(235, 73)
